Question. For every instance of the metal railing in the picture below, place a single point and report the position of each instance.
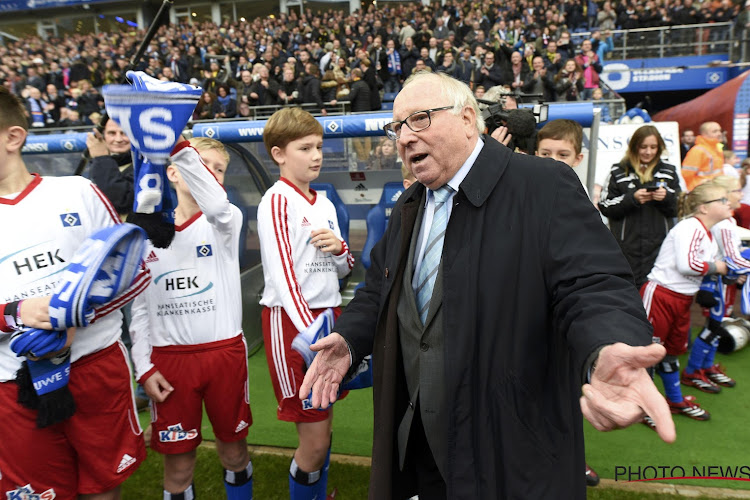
(669, 41)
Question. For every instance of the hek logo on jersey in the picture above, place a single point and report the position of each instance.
(27, 493)
(177, 433)
(70, 219)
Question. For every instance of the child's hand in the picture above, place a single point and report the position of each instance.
(326, 241)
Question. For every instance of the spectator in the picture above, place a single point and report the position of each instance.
(359, 95)
(343, 76)
(56, 101)
(539, 82)
(641, 200)
(385, 156)
(409, 55)
(392, 83)
(731, 162)
(370, 79)
(603, 107)
(489, 74)
(289, 88)
(37, 109)
(227, 102)
(569, 82)
(606, 18)
(687, 141)
(589, 62)
(112, 166)
(742, 214)
(310, 88)
(208, 107)
(517, 74)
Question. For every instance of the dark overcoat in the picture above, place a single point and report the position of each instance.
(533, 285)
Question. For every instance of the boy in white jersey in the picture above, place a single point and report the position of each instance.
(303, 258)
(45, 220)
(188, 347)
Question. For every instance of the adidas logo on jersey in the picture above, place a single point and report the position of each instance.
(126, 462)
(396, 196)
(240, 426)
(27, 493)
(305, 222)
(151, 257)
(360, 187)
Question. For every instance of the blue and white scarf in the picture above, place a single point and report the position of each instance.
(101, 270)
(153, 114)
(320, 328)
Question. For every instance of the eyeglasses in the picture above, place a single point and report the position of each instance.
(417, 121)
(723, 201)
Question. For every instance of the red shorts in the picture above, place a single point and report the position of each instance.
(287, 367)
(669, 313)
(215, 374)
(94, 451)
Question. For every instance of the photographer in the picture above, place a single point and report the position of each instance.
(641, 200)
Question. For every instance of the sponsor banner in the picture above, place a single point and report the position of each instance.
(669, 73)
(55, 143)
(740, 132)
(18, 5)
(613, 142)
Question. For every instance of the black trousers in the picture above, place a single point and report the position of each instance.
(420, 463)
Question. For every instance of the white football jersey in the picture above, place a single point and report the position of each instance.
(684, 257)
(43, 226)
(195, 295)
(298, 276)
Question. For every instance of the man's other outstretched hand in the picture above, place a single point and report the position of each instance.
(327, 370)
(621, 391)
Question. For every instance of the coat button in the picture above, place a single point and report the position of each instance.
(424, 346)
(411, 405)
(386, 272)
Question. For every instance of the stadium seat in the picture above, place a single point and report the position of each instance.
(342, 213)
(377, 218)
(389, 96)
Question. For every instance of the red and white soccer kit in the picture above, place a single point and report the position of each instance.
(730, 248)
(188, 323)
(301, 280)
(101, 444)
(686, 255)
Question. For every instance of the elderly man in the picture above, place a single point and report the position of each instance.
(705, 160)
(494, 294)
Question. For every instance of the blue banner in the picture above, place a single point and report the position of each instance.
(17, 5)
(334, 127)
(669, 73)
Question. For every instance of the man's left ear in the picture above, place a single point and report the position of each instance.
(172, 173)
(470, 119)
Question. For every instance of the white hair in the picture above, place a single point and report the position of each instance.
(455, 91)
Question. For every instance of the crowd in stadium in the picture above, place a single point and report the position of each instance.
(318, 58)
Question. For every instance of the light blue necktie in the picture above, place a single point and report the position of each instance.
(433, 251)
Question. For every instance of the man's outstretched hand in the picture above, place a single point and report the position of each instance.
(327, 370)
(621, 392)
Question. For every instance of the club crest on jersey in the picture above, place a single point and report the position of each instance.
(204, 250)
(177, 433)
(70, 219)
(27, 493)
(330, 224)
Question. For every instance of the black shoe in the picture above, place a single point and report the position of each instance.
(592, 478)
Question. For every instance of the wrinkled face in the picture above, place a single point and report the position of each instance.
(515, 58)
(115, 139)
(647, 149)
(436, 153)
